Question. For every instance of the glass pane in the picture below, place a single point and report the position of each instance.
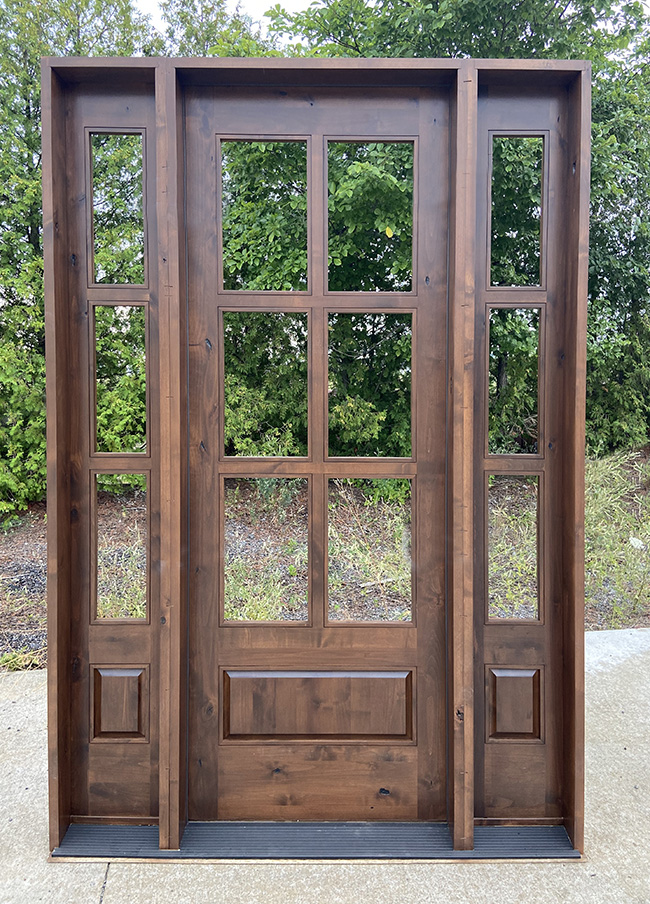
(265, 386)
(369, 550)
(370, 216)
(516, 210)
(265, 549)
(513, 546)
(264, 205)
(121, 378)
(118, 217)
(122, 541)
(513, 395)
(370, 384)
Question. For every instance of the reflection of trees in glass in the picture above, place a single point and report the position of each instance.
(265, 364)
(370, 384)
(264, 204)
(516, 210)
(121, 379)
(118, 220)
(370, 216)
(513, 380)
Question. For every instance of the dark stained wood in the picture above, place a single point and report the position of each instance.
(513, 704)
(58, 400)
(317, 705)
(488, 724)
(172, 609)
(460, 458)
(576, 129)
(274, 781)
(537, 649)
(319, 645)
(119, 702)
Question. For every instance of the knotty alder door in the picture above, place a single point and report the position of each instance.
(316, 262)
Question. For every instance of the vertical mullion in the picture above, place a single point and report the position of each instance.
(460, 460)
(172, 803)
(317, 428)
(318, 445)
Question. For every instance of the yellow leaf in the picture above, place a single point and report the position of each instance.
(389, 232)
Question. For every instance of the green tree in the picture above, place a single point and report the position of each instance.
(615, 38)
(27, 32)
(202, 28)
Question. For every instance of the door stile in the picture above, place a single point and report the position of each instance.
(58, 443)
(172, 613)
(573, 491)
(460, 476)
(428, 412)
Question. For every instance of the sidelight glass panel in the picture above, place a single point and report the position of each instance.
(370, 216)
(121, 546)
(369, 550)
(120, 378)
(118, 208)
(264, 209)
(265, 557)
(516, 216)
(513, 546)
(369, 397)
(513, 381)
(265, 383)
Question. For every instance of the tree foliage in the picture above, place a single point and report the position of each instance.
(370, 188)
(614, 36)
(27, 32)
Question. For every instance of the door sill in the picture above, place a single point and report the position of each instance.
(316, 841)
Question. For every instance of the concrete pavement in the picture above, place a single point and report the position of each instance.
(615, 870)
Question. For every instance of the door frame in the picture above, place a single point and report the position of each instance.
(148, 93)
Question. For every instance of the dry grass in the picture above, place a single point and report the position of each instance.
(369, 545)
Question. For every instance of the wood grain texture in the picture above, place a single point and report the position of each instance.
(578, 134)
(319, 782)
(537, 749)
(58, 488)
(172, 611)
(449, 763)
(267, 710)
(119, 703)
(317, 705)
(460, 458)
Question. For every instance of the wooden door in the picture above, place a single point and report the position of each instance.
(317, 585)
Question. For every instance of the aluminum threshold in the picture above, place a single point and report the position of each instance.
(317, 841)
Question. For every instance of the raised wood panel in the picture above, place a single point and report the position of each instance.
(317, 782)
(316, 705)
(513, 704)
(120, 703)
